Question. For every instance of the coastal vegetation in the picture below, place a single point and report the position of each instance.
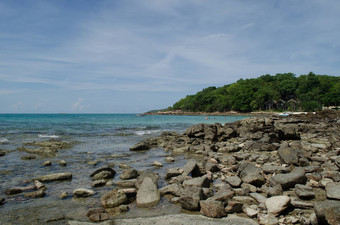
(281, 92)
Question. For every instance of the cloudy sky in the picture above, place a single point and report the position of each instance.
(131, 56)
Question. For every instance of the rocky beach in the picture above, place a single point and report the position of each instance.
(259, 170)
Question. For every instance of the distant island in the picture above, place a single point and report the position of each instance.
(281, 92)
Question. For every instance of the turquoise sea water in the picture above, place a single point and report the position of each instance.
(103, 138)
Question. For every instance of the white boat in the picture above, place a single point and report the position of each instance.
(284, 114)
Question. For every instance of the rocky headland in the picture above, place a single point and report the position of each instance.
(260, 170)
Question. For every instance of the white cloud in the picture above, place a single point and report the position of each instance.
(77, 106)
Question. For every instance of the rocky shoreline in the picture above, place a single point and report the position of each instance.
(261, 170)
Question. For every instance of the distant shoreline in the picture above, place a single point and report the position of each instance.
(229, 113)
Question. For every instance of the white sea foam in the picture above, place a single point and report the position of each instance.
(4, 141)
(47, 136)
(146, 132)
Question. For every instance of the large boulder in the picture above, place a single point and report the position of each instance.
(129, 174)
(328, 212)
(296, 176)
(190, 198)
(148, 194)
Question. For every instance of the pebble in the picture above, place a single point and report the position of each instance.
(47, 163)
(157, 164)
(63, 163)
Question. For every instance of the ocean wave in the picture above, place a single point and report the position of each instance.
(48, 136)
(146, 132)
(4, 141)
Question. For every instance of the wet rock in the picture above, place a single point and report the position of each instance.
(198, 181)
(275, 205)
(113, 198)
(249, 173)
(173, 189)
(83, 193)
(173, 172)
(97, 215)
(304, 191)
(47, 148)
(129, 174)
(17, 190)
(99, 183)
(123, 208)
(92, 163)
(2, 201)
(214, 209)
(157, 164)
(142, 146)
(154, 177)
(190, 198)
(169, 159)
(129, 191)
(103, 173)
(234, 207)
(47, 163)
(297, 176)
(328, 212)
(234, 181)
(148, 194)
(55, 177)
(63, 195)
(131, 183)
(39, 185)
(63, 163)
(2, 153)
(333, 190)
(124, 166)
(36, 194)
(28, 157)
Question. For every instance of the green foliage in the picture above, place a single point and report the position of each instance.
(280, 92)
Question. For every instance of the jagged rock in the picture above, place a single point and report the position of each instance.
(190, 198)
(214, 209)
(333, 190)
(328, 212)
(300, 204)
(148, 194)
(211, 167)
(154, 177)
(173, 189)
(129, 174)
(234, 181)
(142, 146)
(224, 193)
(249, 173)
(103, 173)
(290, 155)
(297, 176)
(198, 181)
(83, 193)
(113, 198)
(274, 190)
(191, 168)
(173, 172)
(304, 191)
(234, 207)
(36, 194)
(277, 204)
(47, 148)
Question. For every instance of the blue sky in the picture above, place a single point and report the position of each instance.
(131, 56)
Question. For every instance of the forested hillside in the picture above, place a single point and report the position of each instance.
(279, 92)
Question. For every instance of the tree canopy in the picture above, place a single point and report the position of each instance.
(283, 91)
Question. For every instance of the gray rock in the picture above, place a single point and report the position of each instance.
(169, 159)
(99, 183)
(142, 146)
(328, 212)
(2, 153)
(173, 172)
(211, 167)
(333, 190)
(268, 219)
(270, 169)
(157, 164)
(214, 209)
(246, 200)
(83, 193)
(154, 177)
(250, 212)
(173, 189)
(2, 201)
(55, 177)
(301, 204)
(36, 194)
(275, 205)
(275, 190)
(191, 168)
(249, 173)
(63, 163)
(47, 163)
(103, 173)
(234, 207)
(234, 181)
(190, 198)
(63, 195)
(28, 157)
(129, 174)
(297, 176)
(39, 185)
(123, 208)
(148, 194)
(304, 191)
(199, 182)
(131, 183)
(258, 197)
(113, 198)
(224, 193)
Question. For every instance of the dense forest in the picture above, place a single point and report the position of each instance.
(281, 92)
